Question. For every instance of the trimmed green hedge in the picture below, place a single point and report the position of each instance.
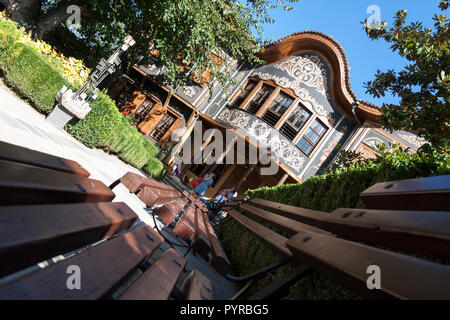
(340, 188)
(35, 77)
(32, 75)
(105, 127)
(155, 168)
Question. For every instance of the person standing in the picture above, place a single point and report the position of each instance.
(207, 181)
(231, 193)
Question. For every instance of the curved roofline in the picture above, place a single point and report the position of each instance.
(335, 54)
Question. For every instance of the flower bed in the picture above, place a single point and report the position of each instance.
(38, 72)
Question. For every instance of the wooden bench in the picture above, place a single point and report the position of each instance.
(23, 155)
(186, 215)
(409, 216)
(46, 211)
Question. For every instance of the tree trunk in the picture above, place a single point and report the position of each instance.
(24, 12)
(28, 14)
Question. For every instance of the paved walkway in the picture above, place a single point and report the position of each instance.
(22, 125)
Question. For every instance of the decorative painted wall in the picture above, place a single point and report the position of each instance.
(307, 74)
(268, 137)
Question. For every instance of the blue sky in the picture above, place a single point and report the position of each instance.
(341, 20)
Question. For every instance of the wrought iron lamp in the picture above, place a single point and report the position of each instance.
(76, 103)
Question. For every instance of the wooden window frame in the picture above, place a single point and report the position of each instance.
(284, 97)
(174, 117)
(314, 145)
(269, 100)
(240, 90)
(288, 115)
(147, 98)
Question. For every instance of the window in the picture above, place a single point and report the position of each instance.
(163, 126)
(295, 122)
(312, 137)
(251, 84)
(143, 110)
(260, 98)
(278, 107)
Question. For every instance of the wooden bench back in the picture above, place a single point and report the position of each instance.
(409, 216)
(49, 207)
(185, 214)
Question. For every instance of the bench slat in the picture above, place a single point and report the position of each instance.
(159, 280)
(200, 287)
(23, 184)
(31, 234)
(168, 212)
(347, 262)
(185, 228)
(274, 240)
(23, 155)
(200, 242)
(101, 266)
(431, 193)
(282, 223)
(153, 196)
(220, 260)
(420, 232)
(134, 182)
(311, 217)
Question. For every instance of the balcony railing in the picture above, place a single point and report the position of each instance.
(270, 138)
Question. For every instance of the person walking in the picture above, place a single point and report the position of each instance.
(207, 181)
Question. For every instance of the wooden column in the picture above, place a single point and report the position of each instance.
(224, 154)
(245, 176)
(282, 180)
(188, 166)
(185, 136)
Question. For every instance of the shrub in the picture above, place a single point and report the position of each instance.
(106, 128)
(32, 75)
(155, 169)
(73, 70)
(39, 72)
(339, 188)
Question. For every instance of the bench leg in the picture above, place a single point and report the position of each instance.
(279, 288)
(114, 184)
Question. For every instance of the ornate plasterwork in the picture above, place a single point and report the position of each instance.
(189, 91)
(268, 137)
(295, 85)
(416, 141)
(308, 70)
(301, 71)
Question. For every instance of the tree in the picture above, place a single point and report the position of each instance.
(185, 32)
(423, 85)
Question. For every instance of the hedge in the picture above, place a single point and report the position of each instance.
(155, 168)
(32, 75)
(35, 71)
(340, 188)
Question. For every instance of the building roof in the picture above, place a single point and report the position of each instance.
(333, 52)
